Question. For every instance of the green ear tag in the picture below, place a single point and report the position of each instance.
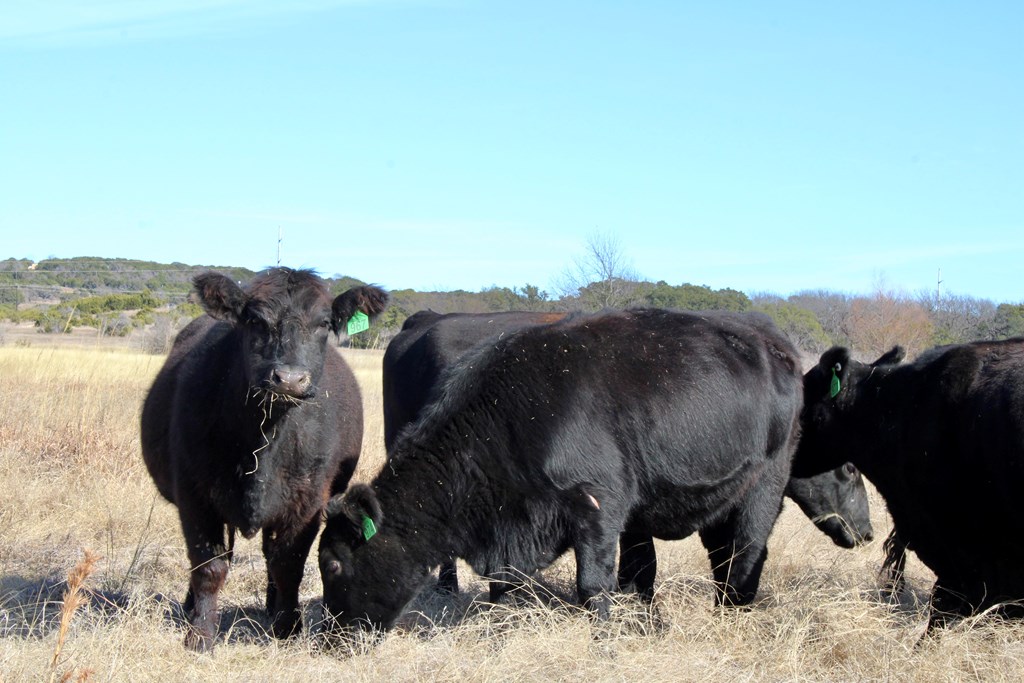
(360, 322)
(369, 528)
(835, 386)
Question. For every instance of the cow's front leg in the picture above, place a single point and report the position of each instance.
(638, 564)
(597, 534)
(595, 573)
(736, 568)
(737, 548)
(286, 559)
(737, 545)
(448, 578)
(209, 559)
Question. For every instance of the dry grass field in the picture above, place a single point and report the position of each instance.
(72, 483)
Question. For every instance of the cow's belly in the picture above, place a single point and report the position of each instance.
(673, 510)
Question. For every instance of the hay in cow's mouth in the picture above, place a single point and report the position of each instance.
(269, 397)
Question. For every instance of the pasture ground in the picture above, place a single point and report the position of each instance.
(72, 480)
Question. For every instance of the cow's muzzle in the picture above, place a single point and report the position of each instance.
(290, 381)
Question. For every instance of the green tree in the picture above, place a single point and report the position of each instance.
(799, 324)
(1008, 321)
(532, 298)
(695, 298)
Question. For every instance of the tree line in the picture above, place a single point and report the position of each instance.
(120, 297)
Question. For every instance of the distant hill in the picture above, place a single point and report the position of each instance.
(52, 281)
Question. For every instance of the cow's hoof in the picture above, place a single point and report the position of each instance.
(199, 642)
(287, 624)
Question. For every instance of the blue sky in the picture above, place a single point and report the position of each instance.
(768, 147)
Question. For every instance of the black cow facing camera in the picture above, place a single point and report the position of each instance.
(942, 439)
(647, 422)
(251, 424)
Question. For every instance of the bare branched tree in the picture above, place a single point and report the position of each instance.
(958, 319)
(602, 277)
(875, 324)
(830, 308)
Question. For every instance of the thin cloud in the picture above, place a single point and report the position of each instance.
(66, 22)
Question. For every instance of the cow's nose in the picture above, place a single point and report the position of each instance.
(291, 380)
(869, 536)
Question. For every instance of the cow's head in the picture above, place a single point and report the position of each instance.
(837, 502)
(366, 577)
(831, 391)
(284, 317)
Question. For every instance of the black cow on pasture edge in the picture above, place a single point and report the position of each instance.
(429, 343)
(942, 439)
(565, 435)
(251, 424)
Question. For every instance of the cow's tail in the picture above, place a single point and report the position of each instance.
(895, 563)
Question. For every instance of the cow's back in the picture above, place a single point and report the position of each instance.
(427, 346)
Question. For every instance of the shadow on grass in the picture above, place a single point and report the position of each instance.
(31, 607)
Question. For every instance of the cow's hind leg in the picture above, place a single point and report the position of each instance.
(286, 557)
(209, 558)
(638, 564)
(952, 602)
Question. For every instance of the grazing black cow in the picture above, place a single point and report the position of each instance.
(942, 439)
(430, 343)
(837, 502)
(565, 435)
(251, 424)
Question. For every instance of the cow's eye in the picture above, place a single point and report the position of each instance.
(325, 323)
(333, 567)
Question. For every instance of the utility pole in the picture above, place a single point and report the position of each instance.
(279, 246)
(938, 286)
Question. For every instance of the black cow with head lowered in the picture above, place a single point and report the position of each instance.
(250, 425)
(942, 439)
(567, 435)
(430, 343)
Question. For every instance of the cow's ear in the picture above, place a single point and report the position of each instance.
(360, 507)
(334, 506)
(893, 356)
(369, 299)
(834, 370)
(220, 297)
